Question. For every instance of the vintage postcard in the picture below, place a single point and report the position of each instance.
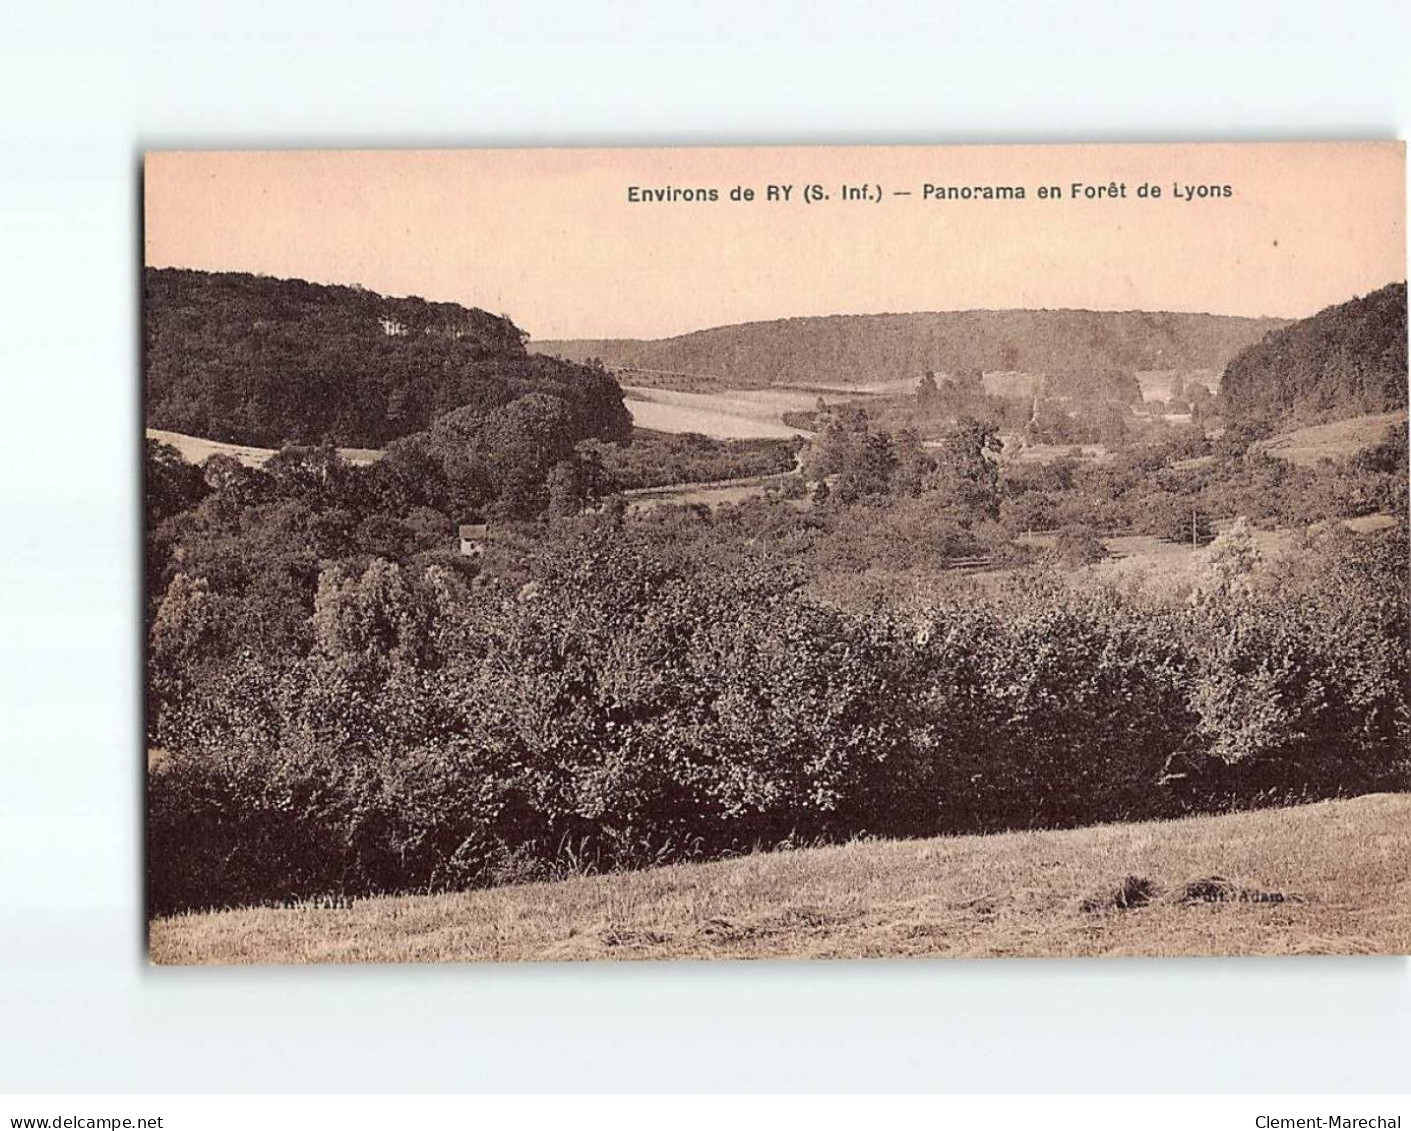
(776, 553)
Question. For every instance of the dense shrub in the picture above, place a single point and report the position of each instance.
(656, 459)
(1037, 710)
(1079, 546)
(617, 709)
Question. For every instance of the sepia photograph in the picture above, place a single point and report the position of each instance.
(775, 553)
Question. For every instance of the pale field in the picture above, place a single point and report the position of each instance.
(1338, 440)
(1156, 383)
(196, 450)
(738, 414)
(1145, 562)
(705, 494)
(1010, 383)
(1048, 453)
(1158, 563)
(897, 387)
(1328, 878)
(1138, 562)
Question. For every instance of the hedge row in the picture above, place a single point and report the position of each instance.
(619, 711)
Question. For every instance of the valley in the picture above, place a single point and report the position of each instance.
(572, 658)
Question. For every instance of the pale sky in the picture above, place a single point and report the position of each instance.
(549, 237)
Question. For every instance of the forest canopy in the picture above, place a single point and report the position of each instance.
(845, 350)
(1346, 360)
(254, 360)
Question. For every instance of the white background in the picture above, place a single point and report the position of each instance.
(84, 88)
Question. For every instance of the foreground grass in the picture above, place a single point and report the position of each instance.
(1333, 877)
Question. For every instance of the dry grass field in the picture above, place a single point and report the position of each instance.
(1338, 440)
(1156, 384)
(196, 450)
(1157, 564)
(1332, 877)
(703, 494)
(738, 414)
(1015, 452)
(1176, 562)
(896, 387)
(1011, 383)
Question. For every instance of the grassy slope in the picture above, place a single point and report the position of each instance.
(1338, 440)
(1344, 866)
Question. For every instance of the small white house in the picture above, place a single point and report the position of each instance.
(473, 538)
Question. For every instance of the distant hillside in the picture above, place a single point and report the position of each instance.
(257, 361)
(1347, 360)
(855, 350)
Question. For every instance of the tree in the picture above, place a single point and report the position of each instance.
(868, 469)
(913, 466)
(836, 445)
(1079, 546)
(178, 643)
(567, 494)
(182, 626)
(1233, 555)
(172, 485)
(966, 469)
(236, 484)
(1241, 434)
(1175, 518)
(312, 474)
(369, 617)
(858, 459)
(969, 381)
(927, 391)
(384, 536)
(499, 461)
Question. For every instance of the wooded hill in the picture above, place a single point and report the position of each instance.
(254, 360)
(1345, 361)
(853, 350)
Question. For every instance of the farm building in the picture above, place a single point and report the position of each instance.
(473, 538)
